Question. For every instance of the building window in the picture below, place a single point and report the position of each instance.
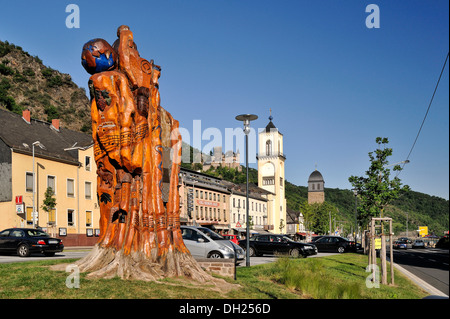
(87, 190)
(70, 217)
(51, 183)
(87, 163)
(29, 211)
(70, 188)
(29, 182)
(234, 202)
(52, 217)
(88, 218)
(269, 147)
(269, 180)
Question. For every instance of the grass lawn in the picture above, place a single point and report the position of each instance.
(334, 277)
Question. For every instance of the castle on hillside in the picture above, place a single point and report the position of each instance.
(230, 159)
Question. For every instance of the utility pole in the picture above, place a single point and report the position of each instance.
(330, 222)
(407, 224)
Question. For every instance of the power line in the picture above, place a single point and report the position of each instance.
(426, 114)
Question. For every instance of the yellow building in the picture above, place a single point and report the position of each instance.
(271, 175)
(63, 161)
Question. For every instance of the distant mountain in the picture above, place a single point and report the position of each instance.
(26, 83)
(420, 209)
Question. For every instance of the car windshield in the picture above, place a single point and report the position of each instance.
(287, 239)
(37, 233)
(208, 232)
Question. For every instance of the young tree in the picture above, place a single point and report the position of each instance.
(317, 216)
(49, 202)
(376, 190)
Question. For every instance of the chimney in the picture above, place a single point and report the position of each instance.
(26, 116)
(55, 124)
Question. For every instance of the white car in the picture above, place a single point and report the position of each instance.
(418, 243)
(202, 242)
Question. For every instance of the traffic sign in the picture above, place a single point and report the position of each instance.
(19, 199)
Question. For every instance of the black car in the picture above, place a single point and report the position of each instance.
(25, 241)
(334, 244)
(271, 244)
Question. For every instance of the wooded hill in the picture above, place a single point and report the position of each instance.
(26, 83)
(420, 209)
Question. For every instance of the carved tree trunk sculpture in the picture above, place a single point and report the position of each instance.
(137, 149)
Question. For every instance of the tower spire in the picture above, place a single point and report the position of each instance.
(270, 116)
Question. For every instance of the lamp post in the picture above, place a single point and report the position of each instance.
(355, 192)
(34, 184)
(246, 118)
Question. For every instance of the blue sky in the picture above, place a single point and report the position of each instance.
(333, 84)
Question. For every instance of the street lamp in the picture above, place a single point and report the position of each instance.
(34, 184)
(355, 192)
(246, 118)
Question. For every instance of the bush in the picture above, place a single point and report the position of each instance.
(54, 81)
(52, 112)
(47, 72)
(6, 70)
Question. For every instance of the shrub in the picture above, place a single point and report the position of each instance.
(6, 70)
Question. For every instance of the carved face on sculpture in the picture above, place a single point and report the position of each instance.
(98, 56)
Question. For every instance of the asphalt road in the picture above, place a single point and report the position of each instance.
(35, 257)
(429, 264)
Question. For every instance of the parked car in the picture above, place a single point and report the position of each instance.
(315, 238)
(233, 238)
(25, 241)
(202, 242)
(334, 244)
(418, 243)
(398, 244)
(271, 244)
(406, 241)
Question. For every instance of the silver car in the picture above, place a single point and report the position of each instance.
(204, 243)
(418, 243)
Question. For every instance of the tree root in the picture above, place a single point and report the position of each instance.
(104, 262)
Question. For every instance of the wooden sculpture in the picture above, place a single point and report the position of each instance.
(137, 149)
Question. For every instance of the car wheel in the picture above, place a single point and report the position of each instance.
(341, 249)
(294, 253)
(23, 251)
(215, 255)
(252, 252)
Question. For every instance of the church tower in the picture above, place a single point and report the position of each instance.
(316, 188)
(271, 175)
